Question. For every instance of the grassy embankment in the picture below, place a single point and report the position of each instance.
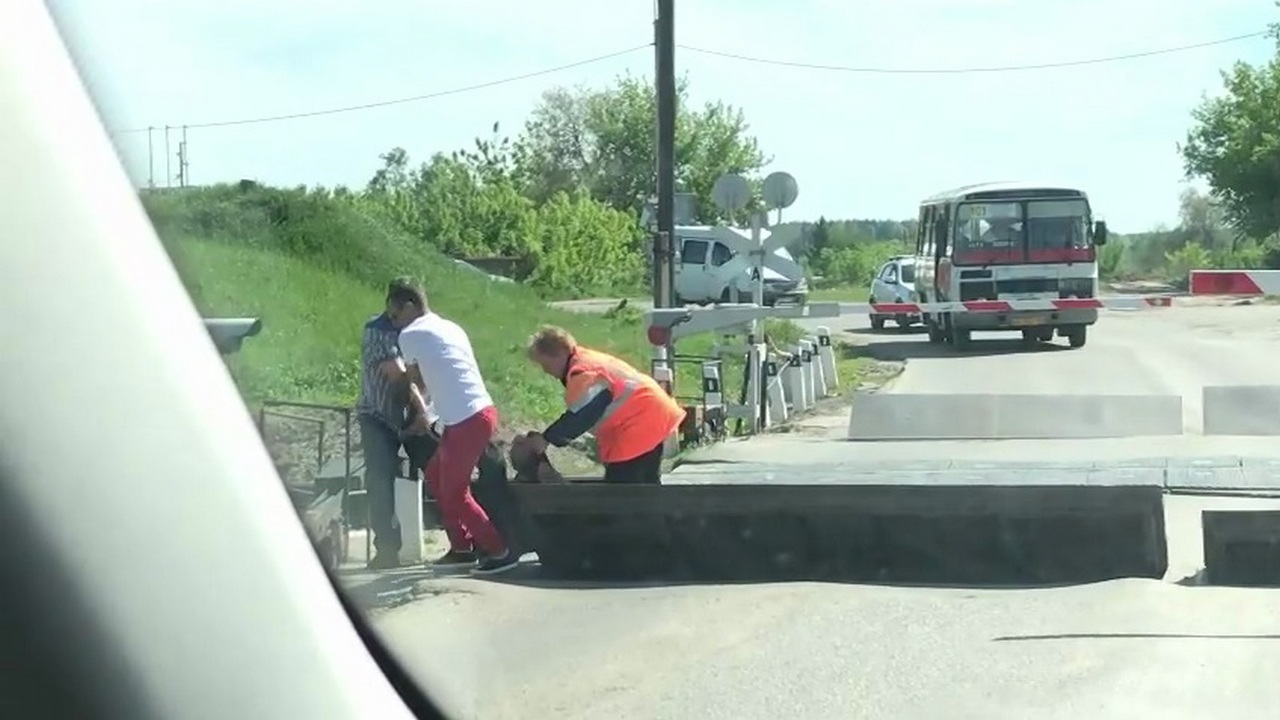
(315, 269)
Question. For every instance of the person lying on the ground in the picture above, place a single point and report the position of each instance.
(631, 416)
(531, 465)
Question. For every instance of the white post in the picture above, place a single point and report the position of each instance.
(806, 369)
(793, 375)
(777, 408)
(827, 356)
(755, 360)
(819, 377)
(663, 376)
(408, 500)
(712, 389)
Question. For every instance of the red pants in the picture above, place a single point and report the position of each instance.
(449, 479)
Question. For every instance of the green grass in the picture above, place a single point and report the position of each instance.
(309, 346)
(841, 293)
(315, 268)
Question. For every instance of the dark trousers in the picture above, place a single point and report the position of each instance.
(381, 448)
(644, 470)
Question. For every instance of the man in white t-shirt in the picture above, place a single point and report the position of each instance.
(441, 352)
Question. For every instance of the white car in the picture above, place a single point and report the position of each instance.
(895, 282)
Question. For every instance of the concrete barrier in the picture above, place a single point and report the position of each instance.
(1241, 409)
(924, 533)
(1241, 547)
(911, 416)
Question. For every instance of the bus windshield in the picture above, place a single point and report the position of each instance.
(1011, 232)
(1057, 228)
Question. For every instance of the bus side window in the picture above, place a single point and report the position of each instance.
(922, 233)
(944, 233)
(926, 230)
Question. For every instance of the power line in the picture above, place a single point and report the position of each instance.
(401, 101)
(959, 71)
(715, 53)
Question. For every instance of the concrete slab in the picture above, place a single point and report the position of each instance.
(937, 530)
(1241, 410)
(929, 416)
(1242, 547)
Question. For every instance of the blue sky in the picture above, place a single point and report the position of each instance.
(861, 145)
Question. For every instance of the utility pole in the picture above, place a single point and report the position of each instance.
(184, 164)
(151, 159)
(664, 46)
(168, 155)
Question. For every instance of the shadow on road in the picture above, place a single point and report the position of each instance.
(373, 589)
(890, 350)
(887, 331)
(1134, 636)
(531, 575)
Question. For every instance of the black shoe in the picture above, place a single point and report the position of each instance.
(455, 558)
(493, 565)
(385, 561)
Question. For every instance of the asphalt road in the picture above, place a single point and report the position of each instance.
(1120, 649)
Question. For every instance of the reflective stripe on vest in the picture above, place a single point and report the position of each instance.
(661, 415)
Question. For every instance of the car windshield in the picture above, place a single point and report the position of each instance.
(512, 375)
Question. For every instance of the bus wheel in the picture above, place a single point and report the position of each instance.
(1077, 336)
(935, 331)
(960, 339)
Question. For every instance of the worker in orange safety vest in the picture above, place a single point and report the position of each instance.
(630, 415)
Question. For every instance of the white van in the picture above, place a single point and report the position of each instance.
(702, 250)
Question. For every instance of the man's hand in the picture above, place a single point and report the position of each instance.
(419, 426)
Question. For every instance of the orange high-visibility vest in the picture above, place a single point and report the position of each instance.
(641, 416)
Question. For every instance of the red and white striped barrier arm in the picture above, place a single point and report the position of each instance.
(1137, 302)
(1235, 282)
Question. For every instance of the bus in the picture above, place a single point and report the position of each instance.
(1006, 241)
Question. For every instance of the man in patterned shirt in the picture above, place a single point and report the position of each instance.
(386, 394)
(393, 413)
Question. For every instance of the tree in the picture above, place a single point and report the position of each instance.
(603, 141)
(1202, 221)
(1235, 145)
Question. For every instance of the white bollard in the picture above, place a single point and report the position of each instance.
(819, 377)
(793, 376)
(806, 369)
(663, 376)
(408, 499)
(827, 356)
(712, 389)
(755, 382)
(776, 410)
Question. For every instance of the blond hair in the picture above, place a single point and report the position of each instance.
(551, 340)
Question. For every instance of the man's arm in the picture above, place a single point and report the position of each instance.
(417, 388)
(581, 415)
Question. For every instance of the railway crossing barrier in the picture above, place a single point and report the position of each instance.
(1234, 282)
(1127, 302)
